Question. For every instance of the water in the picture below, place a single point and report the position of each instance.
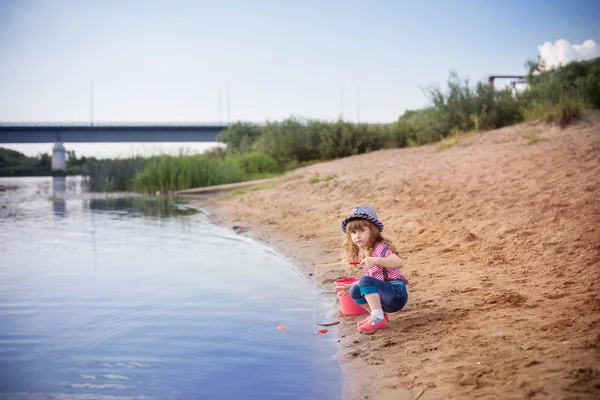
(126, 297)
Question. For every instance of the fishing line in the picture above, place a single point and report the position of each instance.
(315, 301)
(93, 235)
(315, 289)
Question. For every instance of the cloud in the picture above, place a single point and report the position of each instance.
(563, 52)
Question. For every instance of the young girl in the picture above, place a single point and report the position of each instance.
(383, 286)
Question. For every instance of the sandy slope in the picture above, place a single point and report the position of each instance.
(501, 242)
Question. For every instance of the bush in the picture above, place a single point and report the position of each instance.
(256, 163)
(298, 142)
(287, 141)
(562, 94)
(558, 96)
(240, 137)
(465, 109)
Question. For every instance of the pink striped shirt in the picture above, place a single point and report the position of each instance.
(377, 271)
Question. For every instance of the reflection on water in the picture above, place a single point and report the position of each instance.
(136, 297)
(145, 205)
(59, 190)
(160, 206)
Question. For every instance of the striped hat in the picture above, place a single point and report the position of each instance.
(363, 212)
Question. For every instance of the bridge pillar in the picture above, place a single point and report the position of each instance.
(59, 158)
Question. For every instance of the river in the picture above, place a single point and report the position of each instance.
(122, 296)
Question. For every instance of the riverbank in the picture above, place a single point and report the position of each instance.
(499, 234)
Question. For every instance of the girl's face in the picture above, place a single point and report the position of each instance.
(361, 235)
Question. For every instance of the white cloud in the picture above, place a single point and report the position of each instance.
(563, 52)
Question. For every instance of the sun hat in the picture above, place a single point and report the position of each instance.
(363, 212)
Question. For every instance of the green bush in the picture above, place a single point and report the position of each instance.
(420, 126)
(240, 137)
(285, 141)
(562, 94)
(256, 163)
(343, 139)
(558, 96)
(465, 108)
(297, 141)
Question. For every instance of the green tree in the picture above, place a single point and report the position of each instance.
(239, 137)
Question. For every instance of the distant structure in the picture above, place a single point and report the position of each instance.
(59, 159)
(517, 79)
(93, 133)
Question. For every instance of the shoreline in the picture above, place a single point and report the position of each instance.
(305, 260)
(500, 242)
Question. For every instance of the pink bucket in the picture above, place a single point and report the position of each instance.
(347, 304)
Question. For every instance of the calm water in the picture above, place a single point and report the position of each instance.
(135, 298)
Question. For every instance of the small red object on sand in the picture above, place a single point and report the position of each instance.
(281, 328)
(323, 331)
(354, 262)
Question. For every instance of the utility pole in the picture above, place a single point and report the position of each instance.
(228, 106)
(357, 104)
(220, 119)
(92, 103)
(342, 103)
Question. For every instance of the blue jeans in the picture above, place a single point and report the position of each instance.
(393, 294)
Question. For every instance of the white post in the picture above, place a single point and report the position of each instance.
(59, 159)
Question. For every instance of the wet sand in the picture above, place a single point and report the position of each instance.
(501, 244)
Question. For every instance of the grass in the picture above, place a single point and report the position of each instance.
(458, 138)
(166, 173)
(237, 192)
(292, 165)
(316, 178)
(562, 114)
(531, 136)
(447, 143)
(294, 177)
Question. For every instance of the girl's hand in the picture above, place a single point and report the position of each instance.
(369, 262)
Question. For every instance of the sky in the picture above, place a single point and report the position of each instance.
(257, 60)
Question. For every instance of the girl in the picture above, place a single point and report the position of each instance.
(383, 286)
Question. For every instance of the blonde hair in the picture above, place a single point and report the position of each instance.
(351, 250)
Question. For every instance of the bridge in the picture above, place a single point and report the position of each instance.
(93, 133)
(21, 133)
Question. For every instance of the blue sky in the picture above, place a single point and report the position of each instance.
(171, 61)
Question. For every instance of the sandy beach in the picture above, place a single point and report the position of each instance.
(501, 243)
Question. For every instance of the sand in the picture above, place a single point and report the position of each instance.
(501, 244)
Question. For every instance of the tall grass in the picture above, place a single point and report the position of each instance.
(110, 175)
(167, 172)
(180, 172)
